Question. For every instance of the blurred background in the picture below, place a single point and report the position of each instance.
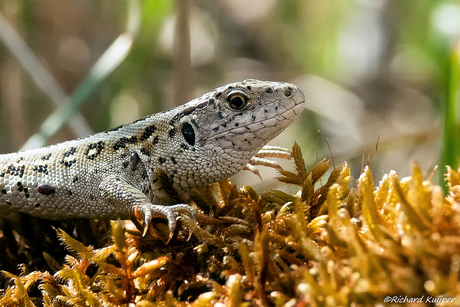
(374, 71)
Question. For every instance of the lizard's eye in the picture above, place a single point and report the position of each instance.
(237, 100)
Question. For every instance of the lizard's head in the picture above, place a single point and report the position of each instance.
(218, 133)
(242, 116)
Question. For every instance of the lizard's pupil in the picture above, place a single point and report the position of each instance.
(237, 100)
(188, 133)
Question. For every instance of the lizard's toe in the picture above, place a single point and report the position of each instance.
(178, 211)
(171, 213)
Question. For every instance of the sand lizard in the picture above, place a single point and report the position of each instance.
(113, 174)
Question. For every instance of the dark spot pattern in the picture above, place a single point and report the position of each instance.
(219, 115)
(172, 132)
(46, 157)
(184, 146)
(70, 152)
(4, 191)
(161, 160)
(269, 90)
(41, 169)
(15, 170)
(155, 140)
(37, 205)
(99, 146)
(20, 186)
(68, 163)
(26, 192)
(173, 160)
(75, 179)
(145, 151)
(148, 131)
(123, 141)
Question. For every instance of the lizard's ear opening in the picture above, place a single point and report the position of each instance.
(188, 133)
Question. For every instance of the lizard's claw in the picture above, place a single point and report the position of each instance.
(253, 169)
(171, 213)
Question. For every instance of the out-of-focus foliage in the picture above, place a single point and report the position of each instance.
(326, 245)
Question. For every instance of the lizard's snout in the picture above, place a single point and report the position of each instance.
(294, 92)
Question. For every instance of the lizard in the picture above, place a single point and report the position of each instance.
(113, 174)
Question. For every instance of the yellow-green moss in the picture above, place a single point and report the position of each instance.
(326, 246)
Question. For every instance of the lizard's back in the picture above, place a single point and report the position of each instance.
(39, 181)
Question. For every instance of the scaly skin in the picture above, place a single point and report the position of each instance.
(112, 174)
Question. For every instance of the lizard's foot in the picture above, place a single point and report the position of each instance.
(171, 213)
(260, 159)
(122, 193)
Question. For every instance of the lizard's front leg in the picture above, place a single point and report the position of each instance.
(121, 194)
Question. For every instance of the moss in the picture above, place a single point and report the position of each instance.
(325, 245)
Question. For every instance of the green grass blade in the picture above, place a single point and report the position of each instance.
(451, 150)
(40, 74)
(106, 64)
